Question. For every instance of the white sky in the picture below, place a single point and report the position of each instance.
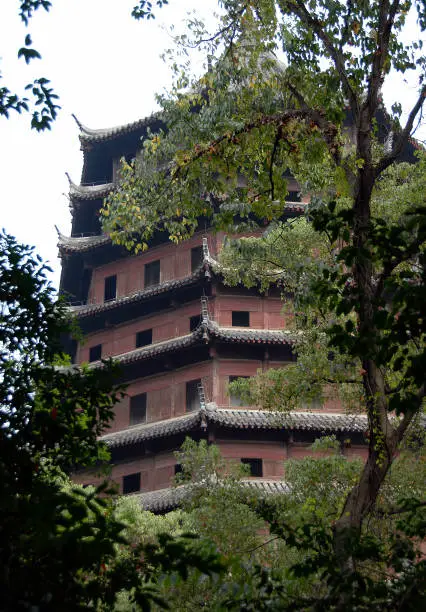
(106, 68)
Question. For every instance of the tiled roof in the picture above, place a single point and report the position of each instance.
(206, 331)
(249, 335)
(81, 244)
(234, 418)
(150, 431)
(301, 421)
(164, 500)
(89, 192)
(159, 348)
(89, 309)
(89, 135)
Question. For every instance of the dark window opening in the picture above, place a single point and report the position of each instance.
(255, 466)
(178, 468)
(152, 273)
(234, 399)
(293, 196)
(95, 352)
(192, 395)
(143, 338)
(110, 288)
(138, 409)
(196, 257)
(194, 322)
(131, 483)
(240, 318)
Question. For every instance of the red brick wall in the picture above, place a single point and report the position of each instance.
(122, 338)
(157, 471)
(273, 454)
(175, 263)
(231, 367)
(166, 394)
(265, 313)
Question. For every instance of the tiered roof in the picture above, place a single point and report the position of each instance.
(89, 192)
(242, 419)
(89, 135)
(81, 244)
(86, 310)
(164, 500)
(206, 332)
(207, 268)
(76, 244)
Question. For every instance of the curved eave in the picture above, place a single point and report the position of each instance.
(89, 135)
(250, 336)
(77, 244)
(240, 419)
(205, 333)
(90, 192)
(164, 500)
(88, 310)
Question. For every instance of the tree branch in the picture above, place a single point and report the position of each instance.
(408, 416)
(387, 160)
(397, 257)
(300, 10)
(278, 137)
(386, 20)
(327, 128)
(346, 29)
(219, 33)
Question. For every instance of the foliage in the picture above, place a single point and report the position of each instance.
(63, 546)
(228, 143)
(40, 99)
(43, 105)
(50, 420)
(143, 9)
(279, 549)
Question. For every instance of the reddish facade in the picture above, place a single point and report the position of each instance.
(172, 324)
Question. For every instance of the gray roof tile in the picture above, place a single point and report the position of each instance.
(88, 135)
(150, 431)
(139, 296)
(90, 192)
(74, 244)
(250, 335)
(203, 334)
(164, 500)
(302, 421)
(234, 418)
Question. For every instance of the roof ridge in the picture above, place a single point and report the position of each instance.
(170, 497)
(123, 299)
(147, 426)
(98, 134)
(256, 419)
(186, 340)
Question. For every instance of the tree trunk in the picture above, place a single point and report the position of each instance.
(382, 443)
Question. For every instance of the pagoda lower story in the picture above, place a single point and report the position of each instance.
(180, 336)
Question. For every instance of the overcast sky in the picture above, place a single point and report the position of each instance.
(106, 68)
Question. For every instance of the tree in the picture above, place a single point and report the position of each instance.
(278, 548)
(230, 136)
(43, 105)
(62, 546)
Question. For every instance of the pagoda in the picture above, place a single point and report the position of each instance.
(180, 336)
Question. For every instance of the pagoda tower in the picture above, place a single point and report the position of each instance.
(180, 335)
